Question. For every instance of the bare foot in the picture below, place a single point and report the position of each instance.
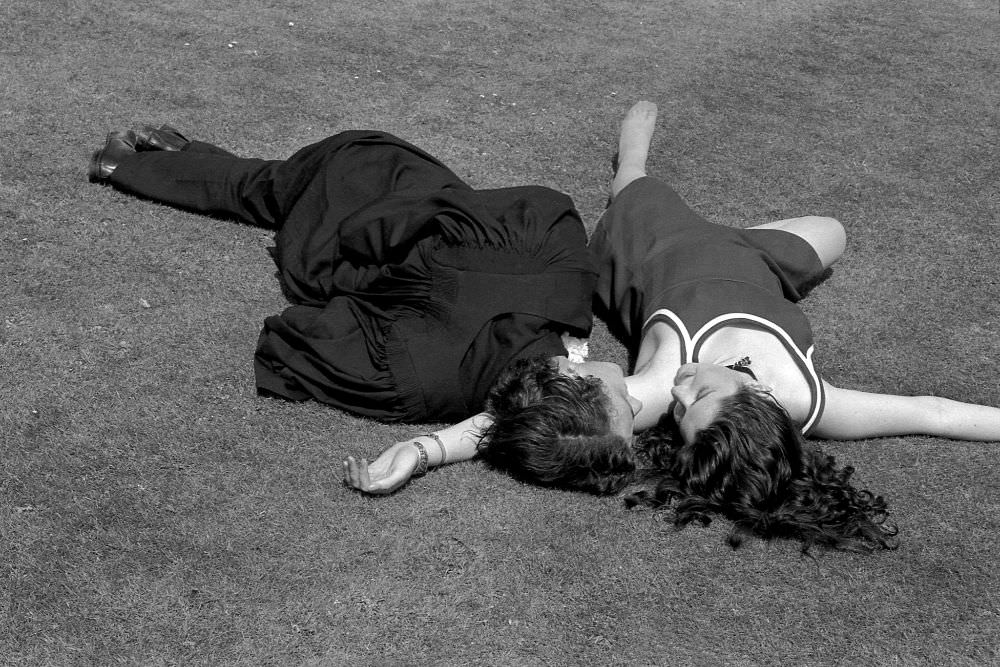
(633, 144)
(636, 132)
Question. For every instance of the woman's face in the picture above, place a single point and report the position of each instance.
(624, 406)
(698, 391)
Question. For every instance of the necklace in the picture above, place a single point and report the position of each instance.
(743, 366)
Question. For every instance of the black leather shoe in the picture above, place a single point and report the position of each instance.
(163, 138)
(118, 145)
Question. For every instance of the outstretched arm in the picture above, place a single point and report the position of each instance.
(850, 415)
(396, 465)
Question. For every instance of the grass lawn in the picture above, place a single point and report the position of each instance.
(154, 510)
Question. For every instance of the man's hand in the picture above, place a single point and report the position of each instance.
(391, 470)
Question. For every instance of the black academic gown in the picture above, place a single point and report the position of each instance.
(410, 290)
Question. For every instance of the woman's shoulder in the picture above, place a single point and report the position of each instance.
(779, 365)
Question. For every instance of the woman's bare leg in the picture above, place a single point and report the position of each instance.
(633, 145)
(825, 235)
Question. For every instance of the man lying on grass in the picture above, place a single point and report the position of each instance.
(411, 291)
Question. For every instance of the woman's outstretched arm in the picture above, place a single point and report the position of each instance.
(851, 415)
(396, 465)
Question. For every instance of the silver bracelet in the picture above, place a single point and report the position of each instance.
(421, 468)
(444, 452)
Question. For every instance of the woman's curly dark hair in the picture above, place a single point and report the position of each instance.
(752, 466)
(553, 430)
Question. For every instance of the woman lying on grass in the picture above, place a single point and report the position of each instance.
(724, 386)
(411, 290)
